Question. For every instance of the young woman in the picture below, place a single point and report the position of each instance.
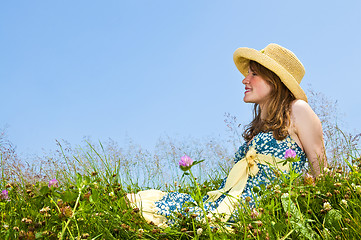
(283, 122)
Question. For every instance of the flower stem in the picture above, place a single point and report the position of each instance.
(202, 205)
(75, 206)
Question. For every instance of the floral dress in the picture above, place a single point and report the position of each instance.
(264, 143)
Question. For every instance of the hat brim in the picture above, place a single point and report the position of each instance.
(242, 56)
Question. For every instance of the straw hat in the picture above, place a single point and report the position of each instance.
(278, 59)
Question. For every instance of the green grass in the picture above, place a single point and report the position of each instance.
(89, 203)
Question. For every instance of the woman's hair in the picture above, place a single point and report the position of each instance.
(278, 107)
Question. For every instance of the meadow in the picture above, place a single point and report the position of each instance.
(79, 192)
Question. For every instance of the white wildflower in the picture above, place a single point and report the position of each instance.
(326, 170)
(358, 189)
(285, 195)
(141, 230)
(327, 206)
(111, 194)
(343, 202)
(199, 231)
(44, 210)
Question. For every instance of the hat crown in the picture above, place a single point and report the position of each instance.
(286, 59)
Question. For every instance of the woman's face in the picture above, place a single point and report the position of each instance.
(257, 89)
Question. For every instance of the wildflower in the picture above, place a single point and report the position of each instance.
(4, 194)
(358, 189)
(140, 230)
(44, 210)
(87, 195)
(111, 194)
(290, 154)
(355, 167)
(285, 195)
(250, 227)
(185, 163)
(308, 179)
(199, 231)
(326, 170)
(257, 231)
(85, 235)
(53, 183)
(327, 206)
(27, 220)
(66, 212)
(157, 230)
(343, 202)
(254, 214)
(277, 187)
(60, 203)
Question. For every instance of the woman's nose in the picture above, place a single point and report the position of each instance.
(245, 80)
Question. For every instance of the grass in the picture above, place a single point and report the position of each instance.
(89, 203)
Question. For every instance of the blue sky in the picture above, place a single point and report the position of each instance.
(142, 69)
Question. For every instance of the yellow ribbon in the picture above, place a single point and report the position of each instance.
(237, 180)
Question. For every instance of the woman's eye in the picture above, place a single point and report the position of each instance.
(254, 74)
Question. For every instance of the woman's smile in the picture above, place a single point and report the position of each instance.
(257, 89)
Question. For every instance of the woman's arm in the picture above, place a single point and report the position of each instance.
(308, 128)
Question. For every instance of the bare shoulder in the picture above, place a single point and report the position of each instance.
(300, 106)
(303, 117)
(301, 110)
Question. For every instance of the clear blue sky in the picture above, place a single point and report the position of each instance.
(112, 68)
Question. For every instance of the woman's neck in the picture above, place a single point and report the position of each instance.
(263, 109)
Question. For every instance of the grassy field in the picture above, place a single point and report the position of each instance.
(79, 192)
(84, 198)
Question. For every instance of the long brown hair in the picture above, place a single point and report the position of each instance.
(278, 107)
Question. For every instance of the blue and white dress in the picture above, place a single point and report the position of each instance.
(263, 143)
